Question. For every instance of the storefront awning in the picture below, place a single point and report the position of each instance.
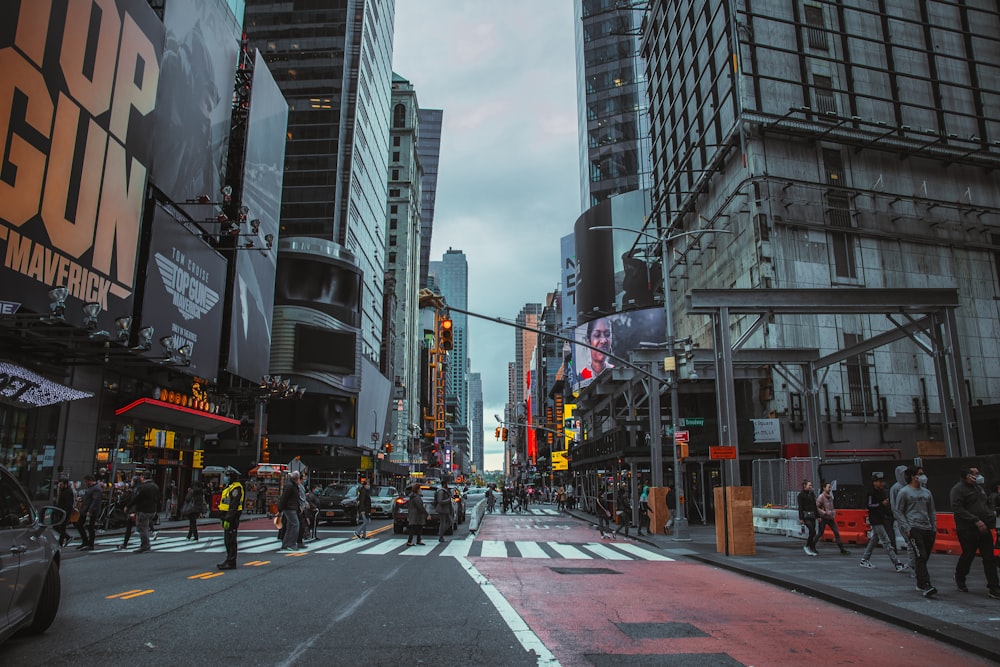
(161, 412)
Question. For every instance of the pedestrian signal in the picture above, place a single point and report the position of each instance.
(198, 460)
(446, 339)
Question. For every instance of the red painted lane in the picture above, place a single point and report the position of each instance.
(753, 622)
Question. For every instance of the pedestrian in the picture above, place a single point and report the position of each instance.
(644, 510)
(623, 510)
(128, 494)
(879, 514)
(172, 499)
(918, 521)
(416, 516)
(64, 501)
(603, 510)
(671, 501)
(194, 505)
(312, 510)
(231, 507)
(443, 502)
(145, 503)
(90, 509)
(974, 518)
(288, 506)
(303, 507)
(364, 510)
(561, 498)
(828, 517)
(807, 515)
(900, 473)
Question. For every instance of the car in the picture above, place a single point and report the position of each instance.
(339, 502)
(427, 492)
(30, 586)
(383, 498)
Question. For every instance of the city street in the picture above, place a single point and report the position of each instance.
(538, 582)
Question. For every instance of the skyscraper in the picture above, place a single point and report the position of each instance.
(429, 152)
(476, 420)
(453, 276)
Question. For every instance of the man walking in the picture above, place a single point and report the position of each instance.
(364, 510)
(603, 510)
(806, 501)
(442, 499)
(973, 520)
(90, 509)
(918, 523)
(288, 505)
(145, 503)
(879, 518)
(828, 517)
(900, 484)
(231, 507)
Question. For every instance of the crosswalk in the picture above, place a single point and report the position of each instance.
(396, 546)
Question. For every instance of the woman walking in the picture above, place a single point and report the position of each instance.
(416, 515)
(194, 505)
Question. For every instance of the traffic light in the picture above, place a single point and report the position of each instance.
(388, 447)
(265, 455)
(498, 432)
(198, 460)
(682, 450)
(503, 434)
(446, 341)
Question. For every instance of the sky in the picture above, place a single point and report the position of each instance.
(508, 182)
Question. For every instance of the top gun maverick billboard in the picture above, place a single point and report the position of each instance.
(77, 95)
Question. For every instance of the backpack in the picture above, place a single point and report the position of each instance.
(442, 499)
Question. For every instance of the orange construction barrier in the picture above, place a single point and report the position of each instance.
(853, 527)
(946, 541)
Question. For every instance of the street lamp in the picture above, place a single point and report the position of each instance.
(656, 454)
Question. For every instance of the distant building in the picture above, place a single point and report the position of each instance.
(429, 152)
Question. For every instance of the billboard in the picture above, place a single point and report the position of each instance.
(194, 100)
(615, 270)
(617, 334)
(183, 296)
(263, 168)
(77, 96)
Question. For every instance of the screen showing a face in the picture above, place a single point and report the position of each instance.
(613, 336)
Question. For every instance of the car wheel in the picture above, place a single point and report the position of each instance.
(397, 528)
(48, 602)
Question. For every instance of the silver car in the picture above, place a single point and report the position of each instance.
(29, 561)
(382, 499)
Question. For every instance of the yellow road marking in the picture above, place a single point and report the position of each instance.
(296, 554)
(128, 595)
(206, 575)
(257, 563)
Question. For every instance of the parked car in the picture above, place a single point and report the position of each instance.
(427, 492)
(383, 498)
(339, 502)
(29, 561)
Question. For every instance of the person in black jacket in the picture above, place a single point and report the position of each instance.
(146, 503)
(289, 506)
(807, 515)
(880, 519)
(973, 520)
(90, 509)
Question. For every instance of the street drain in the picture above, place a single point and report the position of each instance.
(662, 660)
(673, 630)
(583, 570)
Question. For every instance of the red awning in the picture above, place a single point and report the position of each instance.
(161, 412)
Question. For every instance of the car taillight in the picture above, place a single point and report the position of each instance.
(401, 501)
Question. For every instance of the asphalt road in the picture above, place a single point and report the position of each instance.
(174, 607)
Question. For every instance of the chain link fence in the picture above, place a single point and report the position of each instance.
(777, 482)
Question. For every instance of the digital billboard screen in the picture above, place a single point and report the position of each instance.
(194, 100)
(253, 291)
(77, 97)
(616, 334)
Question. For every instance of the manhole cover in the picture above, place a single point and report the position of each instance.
(673, 630)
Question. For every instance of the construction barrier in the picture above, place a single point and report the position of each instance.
(853, 527)
(946, 541)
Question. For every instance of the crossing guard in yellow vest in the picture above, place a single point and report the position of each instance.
(231, 506)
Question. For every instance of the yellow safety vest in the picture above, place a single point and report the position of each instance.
(224, 502)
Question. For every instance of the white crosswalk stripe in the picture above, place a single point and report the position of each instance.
(396, 546)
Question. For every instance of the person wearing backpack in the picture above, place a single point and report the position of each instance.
(442, 500)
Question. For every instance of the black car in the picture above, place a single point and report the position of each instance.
(339, 502)
(400, 512)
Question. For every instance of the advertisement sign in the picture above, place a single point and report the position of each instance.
(183, 296)
(766, 430)
(253, 291)
(77, 96)
(618, 334)
(194, 100)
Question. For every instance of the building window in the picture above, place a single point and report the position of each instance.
(395, 174)
(392, 242)
(815, 28)
(838, 216)
(826, 101)
(392, 258)
(393, 223)
(399, 116)
(396, 141)
(395, 156)
(393, 208)
(394, 192)
(859, 380)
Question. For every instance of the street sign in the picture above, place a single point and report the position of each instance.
(682, 436)
(721, 453)
(693, 421)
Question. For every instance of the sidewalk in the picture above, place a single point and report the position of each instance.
(970, 620)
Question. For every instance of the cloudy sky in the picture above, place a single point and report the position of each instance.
(508, 185)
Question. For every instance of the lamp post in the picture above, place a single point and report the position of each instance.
(680, 532)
